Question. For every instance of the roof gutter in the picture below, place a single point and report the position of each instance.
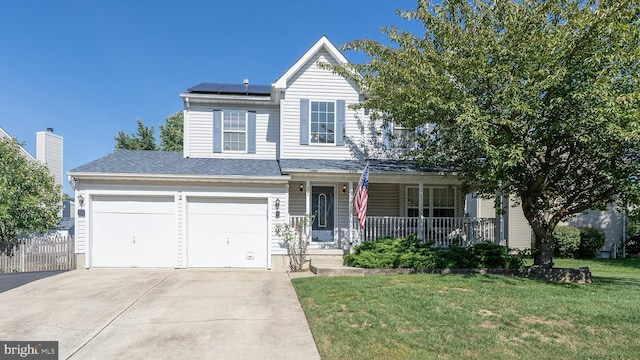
(185, 178)
(334, 171)
(214, 99)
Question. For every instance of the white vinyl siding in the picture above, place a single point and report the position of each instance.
(517, 229)
(317, 84)
(384, 199)
(49, 149)
(200, 134)
(297, 200)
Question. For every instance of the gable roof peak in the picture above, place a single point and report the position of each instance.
(322, 43)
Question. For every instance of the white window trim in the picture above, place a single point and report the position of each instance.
(335, 113)
(246, 131)
(430, 205)
(455, 200)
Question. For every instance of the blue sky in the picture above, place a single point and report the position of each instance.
(90, 68)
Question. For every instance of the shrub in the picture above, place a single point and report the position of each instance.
(410, 252)
(633, 234)
(633, 244)
(567, 241)
(491, 255)
(460, 258)
(591, 241)
(386, 253)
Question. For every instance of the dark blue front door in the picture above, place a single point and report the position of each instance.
(322, 209)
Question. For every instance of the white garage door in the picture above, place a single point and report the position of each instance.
(227, 232)
(133, 231)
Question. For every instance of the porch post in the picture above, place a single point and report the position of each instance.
(350, 215)
(309, 227)
(308, 197)
(421, 206)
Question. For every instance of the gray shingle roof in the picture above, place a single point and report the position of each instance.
(375, 166)
(173, 163)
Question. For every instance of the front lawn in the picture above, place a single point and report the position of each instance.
(476, 317)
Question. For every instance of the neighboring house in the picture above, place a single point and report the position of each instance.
(256, 156)
(49, 151)
(518, 233)
(25, 153)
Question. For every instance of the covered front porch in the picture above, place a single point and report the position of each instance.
(402, 201)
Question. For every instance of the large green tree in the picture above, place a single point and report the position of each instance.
(144, 139)
(539, 100)
(171, 135)
(29, 199)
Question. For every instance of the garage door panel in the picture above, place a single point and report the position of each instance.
(133, 232)
(133, 205)
(227, 232)
(227, 206)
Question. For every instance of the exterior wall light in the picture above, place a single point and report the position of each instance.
(301, 187)
(344, 188)
(277, 204)
(81, 204)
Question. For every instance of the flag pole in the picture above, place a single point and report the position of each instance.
(361, 200)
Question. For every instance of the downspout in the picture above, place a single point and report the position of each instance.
(185, 128)
(72, 182)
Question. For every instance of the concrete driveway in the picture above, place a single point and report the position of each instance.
(161, 314)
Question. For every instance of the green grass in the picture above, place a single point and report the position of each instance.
(477, 317)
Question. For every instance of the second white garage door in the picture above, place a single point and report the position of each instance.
(225, 232)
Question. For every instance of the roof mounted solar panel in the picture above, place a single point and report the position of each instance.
(230, 89)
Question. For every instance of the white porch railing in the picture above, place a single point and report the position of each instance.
(442, 232)
(294, 220)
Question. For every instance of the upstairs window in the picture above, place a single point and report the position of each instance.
(398, 137)
(234, 129)
(323, 122)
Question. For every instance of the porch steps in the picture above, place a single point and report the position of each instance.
(326, 258)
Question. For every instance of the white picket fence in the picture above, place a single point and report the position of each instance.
(42, 252)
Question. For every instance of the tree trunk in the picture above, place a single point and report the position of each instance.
(543, 247)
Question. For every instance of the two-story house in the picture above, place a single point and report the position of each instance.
(256, 156)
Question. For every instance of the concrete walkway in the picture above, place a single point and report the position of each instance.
(161, 314)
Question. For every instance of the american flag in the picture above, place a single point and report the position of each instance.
(362, 196)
